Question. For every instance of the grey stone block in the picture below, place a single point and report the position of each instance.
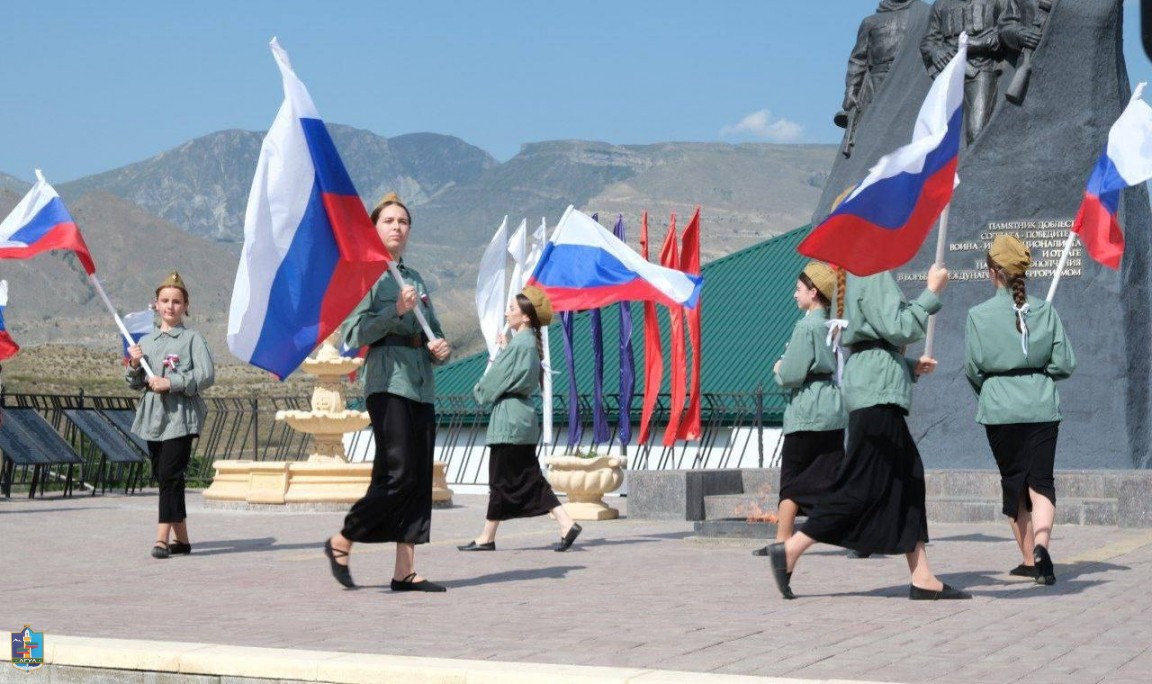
(763, 482)
(677, 494)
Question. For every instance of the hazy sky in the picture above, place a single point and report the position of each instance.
(89, 86)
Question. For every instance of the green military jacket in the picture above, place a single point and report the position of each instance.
(507, 387)
(403, 371)
(876, 310)
(182, 356)
(815, 403)
(992, 347)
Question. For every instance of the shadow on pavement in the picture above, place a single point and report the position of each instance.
(223, 546)
(554, 572)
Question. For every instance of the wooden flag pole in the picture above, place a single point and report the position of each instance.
(941, 247)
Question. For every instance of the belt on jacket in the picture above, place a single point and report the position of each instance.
(858, 347)
(1015, 372)
(813, 377)
(414, 341)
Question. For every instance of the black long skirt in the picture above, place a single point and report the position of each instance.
(516, 487)
(1026, 455)
(877, 503)
(809, 463)
(398, 504)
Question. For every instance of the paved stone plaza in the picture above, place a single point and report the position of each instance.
(631, 594)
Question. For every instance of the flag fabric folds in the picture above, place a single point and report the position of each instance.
(885, 218)
(599, 415)
(690, 263)
(310, 250)
(1127, 161)
(518, 249)
(490, 297)
(566, 325)
(8, 346)
(653, 351)
(40, 223)
(584, 266)
(627, 360)
(670, 256)
(138, 324)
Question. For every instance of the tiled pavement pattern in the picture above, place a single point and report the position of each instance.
(630, 594)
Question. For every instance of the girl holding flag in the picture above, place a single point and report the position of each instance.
(814, 419)
(1015, 351)
(517, 487)
(399, 393)
(877, 504)
(171, 412)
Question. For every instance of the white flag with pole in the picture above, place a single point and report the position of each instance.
(490, 297)
(539, 239)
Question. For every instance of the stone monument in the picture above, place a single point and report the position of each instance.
(1025, 174)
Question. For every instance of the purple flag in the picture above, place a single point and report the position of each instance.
(566, 318)
(627, 360)
(599, 415)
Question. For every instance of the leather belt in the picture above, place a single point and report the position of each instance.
(872, 344)
(413, 341)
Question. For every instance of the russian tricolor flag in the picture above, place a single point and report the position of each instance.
(310, 250)
(8, 346)
(138, 324)
(584, 266)
(884, 220)
(39, 223)
(1127, 161)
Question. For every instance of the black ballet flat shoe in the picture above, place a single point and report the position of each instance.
(1045, 571)
(779, 560)
(407, 584)
(915, 593)
(859, 555)
(179, 548)
(161, 550)
(567, 540)
(1022, 570)
(341, 572)
(473, 546)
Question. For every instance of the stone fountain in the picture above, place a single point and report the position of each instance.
(326, 477)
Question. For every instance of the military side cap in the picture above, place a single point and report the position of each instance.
(1010, 254)
(823, 277)
(540, 302)
(391, 198)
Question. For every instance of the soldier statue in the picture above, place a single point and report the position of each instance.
(877, 43)
(996, 31)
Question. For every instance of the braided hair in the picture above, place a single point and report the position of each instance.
(841, 289)
(1017, 285)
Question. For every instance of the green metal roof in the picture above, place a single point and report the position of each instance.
(748, 317)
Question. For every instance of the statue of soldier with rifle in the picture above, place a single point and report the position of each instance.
(877, 43)
(995, 31)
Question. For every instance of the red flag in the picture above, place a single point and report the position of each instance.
(690, 263)
(670, 257)
(653, 355)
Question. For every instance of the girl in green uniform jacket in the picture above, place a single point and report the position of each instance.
(814, 419)
(517, 488)
(170, 414)
(1015, 351)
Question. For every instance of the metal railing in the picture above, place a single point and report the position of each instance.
(733, 428)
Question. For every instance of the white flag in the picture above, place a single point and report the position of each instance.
(490, 298)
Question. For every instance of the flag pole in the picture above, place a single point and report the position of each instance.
(416, 309)
(1068, 245)
(119, 322)
(941, 246)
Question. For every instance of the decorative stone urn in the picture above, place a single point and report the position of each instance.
(328, 420)
(586, 481)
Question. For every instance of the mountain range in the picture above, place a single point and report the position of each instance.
(184, 209)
